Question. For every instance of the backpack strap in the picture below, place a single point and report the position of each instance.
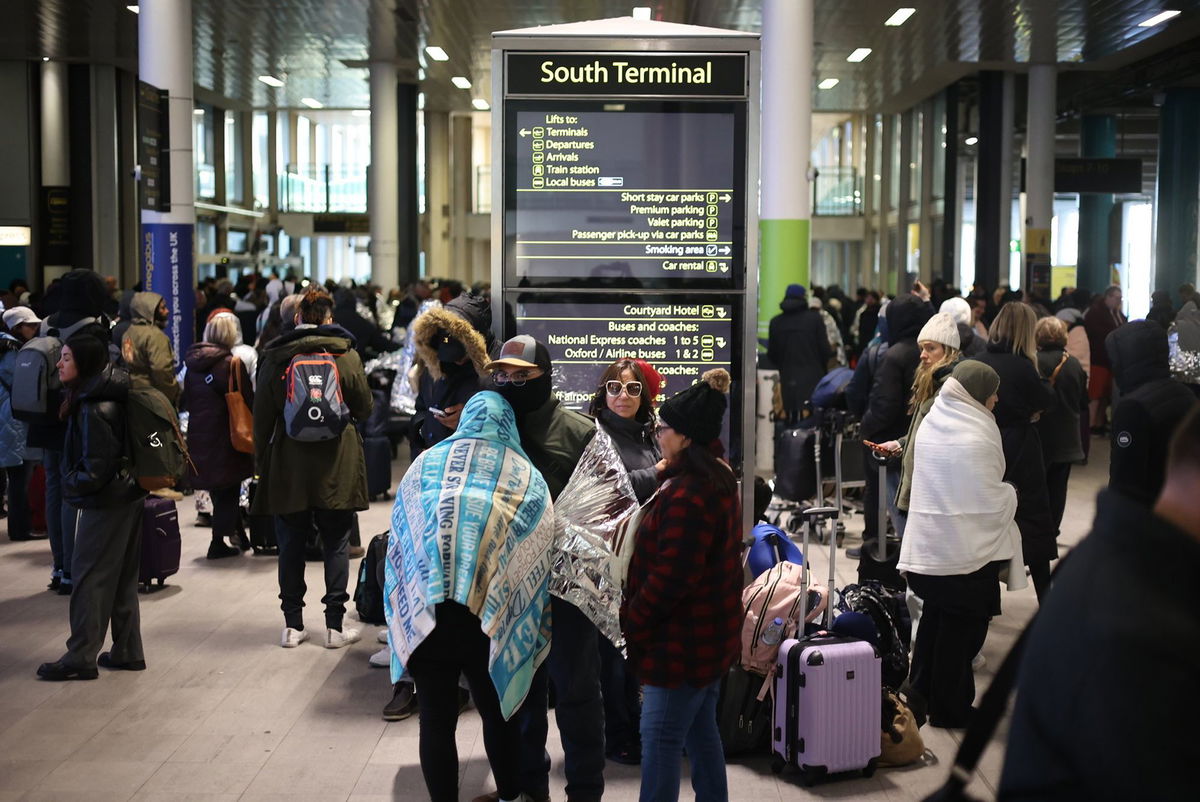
(1057, 370)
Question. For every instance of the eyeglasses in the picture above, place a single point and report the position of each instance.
(614, 388)
(517, 379)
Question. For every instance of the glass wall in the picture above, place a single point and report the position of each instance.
(260, 138)
(235, 159)
(203, 148)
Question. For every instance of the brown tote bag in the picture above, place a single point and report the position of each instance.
(241, 421)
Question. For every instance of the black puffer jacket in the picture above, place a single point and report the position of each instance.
(799, 347)
(1059, 424)
(217, 463)
(1151, 404)
(1024, 394)
(887, 415)
(639, 451)
(369, 341)
(94, 450)
(50, 431)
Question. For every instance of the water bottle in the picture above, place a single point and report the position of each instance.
(773, 633)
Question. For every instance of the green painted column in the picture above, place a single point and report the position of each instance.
(1097, 139)
(786, 201)
(1177, 206)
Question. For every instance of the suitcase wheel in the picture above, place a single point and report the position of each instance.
(869, 771)
(810, 774)
(777, 763)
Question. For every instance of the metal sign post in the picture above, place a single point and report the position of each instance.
(624, 217)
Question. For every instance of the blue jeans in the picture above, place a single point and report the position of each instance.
(674, 719)
(574, 667)
(60, 516)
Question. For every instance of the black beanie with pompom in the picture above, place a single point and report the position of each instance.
(697, 412)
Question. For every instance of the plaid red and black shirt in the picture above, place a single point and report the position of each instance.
(682, 615)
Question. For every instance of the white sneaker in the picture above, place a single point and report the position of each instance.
(382, 658)
(381, 636)
(336, 640)
(293, 637)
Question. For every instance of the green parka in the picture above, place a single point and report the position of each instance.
(294, 476)
(146, 349)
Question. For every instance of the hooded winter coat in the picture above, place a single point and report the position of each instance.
(94, 451)
(369, 340)
(1150, 405)
(1023, 394)
(887, 415)
(467, 319)
(146, 349)
(12, 431)
(799, 347)
(1059, 425)
(293, 475)
(217, 463)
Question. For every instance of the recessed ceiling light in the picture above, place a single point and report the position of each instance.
(45, 58)
(134, 9)
(859, 54)
(641, 12)
(312, 102)
(1158, 19)
(900, 17)
(436, 53)
(361, 113)
(480, 104)
(460, 82)
(420, 100)
(420, 73)
(198, 112)
(971, 140)
(270, 80)
(828, 83)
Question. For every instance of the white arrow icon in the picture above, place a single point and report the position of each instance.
(726, 250)
(524, 132)
(724, 267)
(726, 197)
(720, 342)
(721, 312)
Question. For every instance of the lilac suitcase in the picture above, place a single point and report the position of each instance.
(826, 717)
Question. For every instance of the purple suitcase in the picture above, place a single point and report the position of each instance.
(161, 543)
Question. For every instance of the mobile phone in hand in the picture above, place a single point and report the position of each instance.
(437, 412)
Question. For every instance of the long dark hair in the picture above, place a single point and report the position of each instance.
(91, 357)
(706, 463)
(645, 412)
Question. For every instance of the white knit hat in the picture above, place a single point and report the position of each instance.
(957, 308)
(940, 328)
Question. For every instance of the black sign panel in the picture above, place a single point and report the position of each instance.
(647, 194)
(627, 74)
(153, 127)
(1108, 176)
(56, 228)
(680, 335)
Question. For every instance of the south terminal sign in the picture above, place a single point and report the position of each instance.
(628, 185)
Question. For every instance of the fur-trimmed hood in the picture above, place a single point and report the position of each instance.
(426, 327)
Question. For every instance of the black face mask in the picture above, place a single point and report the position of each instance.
(527, 398)
(454, 369)
(450, 350)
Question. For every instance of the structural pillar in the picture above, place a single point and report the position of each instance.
(1097, 139)
(461, 125)
(55, 197)
(437, 194)
(786, 201)
(993, 189)
(951, 191)
(168, 263)
(1178, 217)
(1041, 108)
(383, 194)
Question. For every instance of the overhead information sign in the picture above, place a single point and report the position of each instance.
(650, 193)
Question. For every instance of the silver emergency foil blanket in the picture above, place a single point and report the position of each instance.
(596, 518)
(404, 397)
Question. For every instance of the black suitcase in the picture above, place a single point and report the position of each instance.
(378, 453)
(161, 543)
(796, 465)
(368, 594)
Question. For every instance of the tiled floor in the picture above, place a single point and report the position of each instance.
(223, 713)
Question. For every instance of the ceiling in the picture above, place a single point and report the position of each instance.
(320, 48)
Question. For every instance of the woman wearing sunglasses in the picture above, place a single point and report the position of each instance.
(624, 408)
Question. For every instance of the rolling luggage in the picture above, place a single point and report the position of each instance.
(378, 453)
(795, 464)
(826, 717)
(161, 543)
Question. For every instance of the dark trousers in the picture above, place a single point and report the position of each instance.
(622, 709)
(19, 521)
(104, 568)
(226, 515)
(61, 517)
(574, 668)
(954, 625)
(457, 644)
(292, 532)
(1057, 476)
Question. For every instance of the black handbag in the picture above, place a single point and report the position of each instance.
(743, 720)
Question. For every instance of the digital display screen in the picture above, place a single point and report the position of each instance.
(636, 194)
(681, 336)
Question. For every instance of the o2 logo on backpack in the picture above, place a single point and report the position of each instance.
(153, 440)
(316, 415)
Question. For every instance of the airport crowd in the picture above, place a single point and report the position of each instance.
(596, 561)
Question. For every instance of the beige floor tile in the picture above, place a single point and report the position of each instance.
(201, 778)
(98, 777)
(320, 780)
(24, 775)
(223, 749)
(176, 796)
(146, 747)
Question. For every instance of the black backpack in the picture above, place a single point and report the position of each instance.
(368, 595)
(889, 611)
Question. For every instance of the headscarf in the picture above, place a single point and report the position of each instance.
(473, 524)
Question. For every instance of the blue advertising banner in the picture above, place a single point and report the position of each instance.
(167, 269)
